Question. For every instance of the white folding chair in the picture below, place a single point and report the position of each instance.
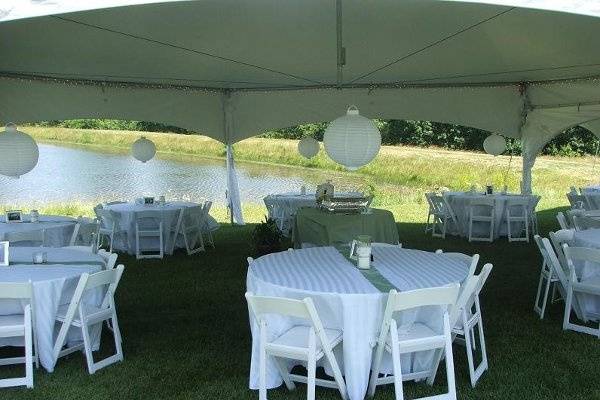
(517, 217)
(578, 288)
(18, 325)
(148, 228)
(84, 234)
(482, 211)
(465, 316)
(548, 276)
(109, 227)
(205, 214)
(578, 200)
(419, 337)
(430, 212)
(189, 227)
(562, 221)
(26, 238)
(582, 223)
(307, 343)
(563, 273)
(443, 214)
(83, 316)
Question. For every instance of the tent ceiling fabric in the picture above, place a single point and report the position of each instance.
(276, 62)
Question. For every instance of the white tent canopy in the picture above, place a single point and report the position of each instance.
(234, 68)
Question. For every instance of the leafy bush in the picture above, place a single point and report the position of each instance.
(573, 142)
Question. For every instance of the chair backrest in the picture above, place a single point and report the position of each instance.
(561, 271)
(559, 238)
(110, 259)
(469, 291)
(578, 199)
(437, 202)
(562, 221)
(107, 218)
(482, 206)
(437, 296)
(16, 291)
(193, 216)
(583, 223)
(538, 241)
(84, 233)
(148, 219)
(519, 201)
(26, 238)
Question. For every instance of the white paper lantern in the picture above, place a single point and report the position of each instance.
(308, 147)
(494, 145)
(19, 153)
(352, 140)
(143, 149)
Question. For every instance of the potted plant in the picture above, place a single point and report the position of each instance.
(267, 237)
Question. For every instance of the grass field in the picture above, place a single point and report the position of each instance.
(185, 324)
(186, 336)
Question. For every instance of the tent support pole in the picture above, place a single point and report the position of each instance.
(233, 190)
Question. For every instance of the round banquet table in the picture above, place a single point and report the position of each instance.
(588, 272)
(168, 213)
(54, 283)
(346, 300)
(459, 201)
(58, 229)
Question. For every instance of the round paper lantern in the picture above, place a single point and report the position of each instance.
(308, 147)
(143, 149)
(352, 140)
(494, 145)
(19, 152)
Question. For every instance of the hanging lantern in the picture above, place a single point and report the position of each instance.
(143, 149)
(494, 145)
(352, 140)
(308, 147)
(20, 152)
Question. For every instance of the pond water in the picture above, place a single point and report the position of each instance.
(84, 174)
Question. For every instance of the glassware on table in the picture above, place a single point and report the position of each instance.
(361, 251)
(40, 257)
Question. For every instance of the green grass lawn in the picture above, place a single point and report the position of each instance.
(185, 326)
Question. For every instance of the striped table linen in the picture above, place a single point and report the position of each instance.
(345, 300)
(415, 269)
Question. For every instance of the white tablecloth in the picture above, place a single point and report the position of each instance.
(589, 272)
(168, 214)
(53, 286)
(58, 229)
(347, 301)
(459, 201)
(283, 207)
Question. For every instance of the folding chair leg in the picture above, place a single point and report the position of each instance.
(262, 364)
(398, 387)
(28, 351)
(311, 367)
(449, 363)
(87, 348)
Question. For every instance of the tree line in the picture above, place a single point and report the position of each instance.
(575, 141)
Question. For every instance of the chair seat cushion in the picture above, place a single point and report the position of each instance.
(87, 310)
(298, 337)
(416, 331)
